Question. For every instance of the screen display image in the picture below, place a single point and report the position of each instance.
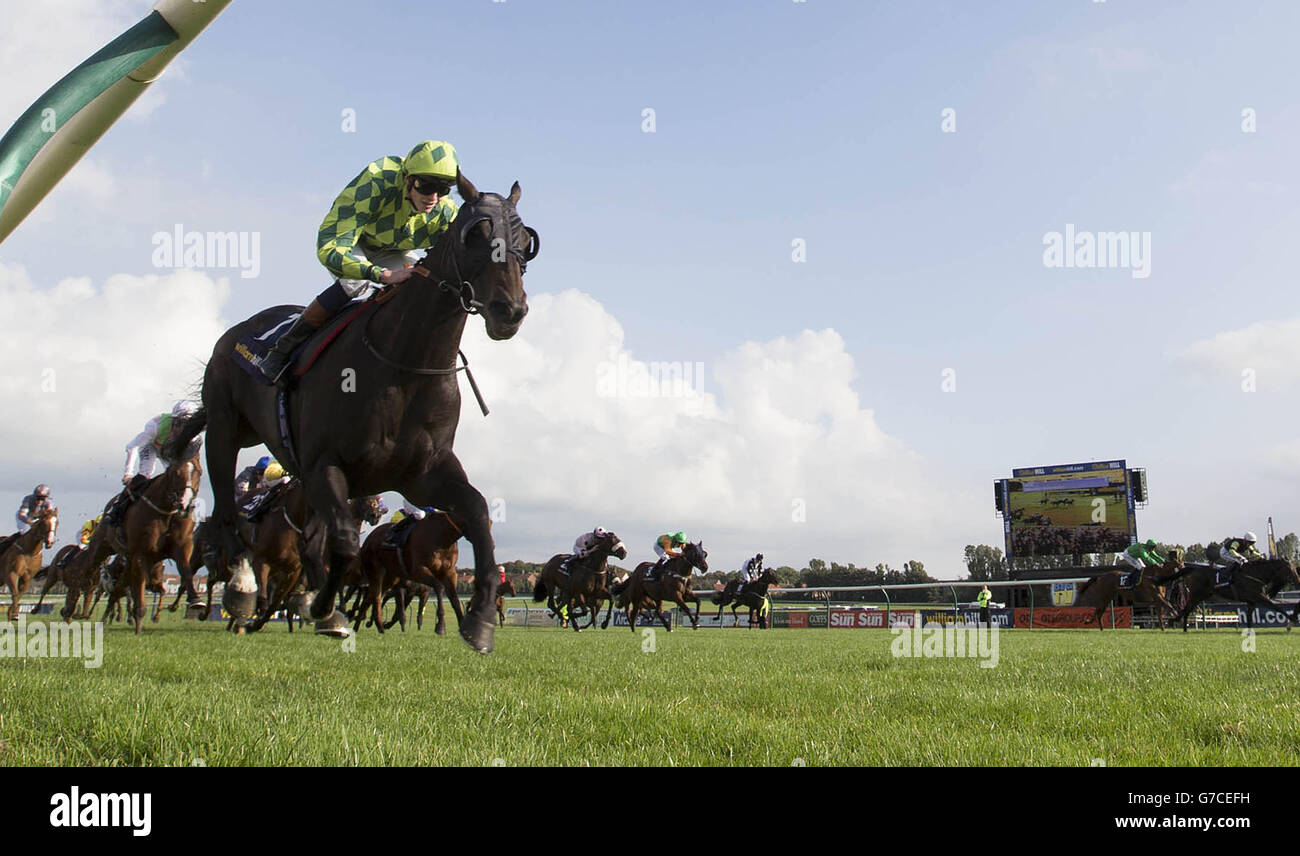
(1071, 508)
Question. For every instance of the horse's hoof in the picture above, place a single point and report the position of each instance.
(441, 629)
(322, 608)
(478, 633)
(335, 625)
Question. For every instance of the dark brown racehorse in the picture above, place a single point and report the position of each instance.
(406, 595)
(113, 584)
(81, 575)
(279, 548)
(52, 574)
(585, 584)
(673, 583)
(159, 525)
(752, 596)
(1255, 583)
(1100, 591)
(20, 558)
(428, 556)
(392, 425)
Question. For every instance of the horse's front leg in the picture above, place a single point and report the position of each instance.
(440, 626)
(137, 594)
(448, 488)
(690, 596)
(12, 581)
(327, 495)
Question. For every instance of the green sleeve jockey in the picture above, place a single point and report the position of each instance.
(1145, 553)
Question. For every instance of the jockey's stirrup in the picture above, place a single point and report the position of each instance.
(276, 361)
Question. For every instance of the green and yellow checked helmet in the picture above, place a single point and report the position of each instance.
(432, 157)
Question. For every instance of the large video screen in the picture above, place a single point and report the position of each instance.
(1069, 508)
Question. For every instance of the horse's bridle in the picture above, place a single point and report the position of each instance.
(469, 304)
(180, 508)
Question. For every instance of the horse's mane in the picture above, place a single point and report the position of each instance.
(184, 442)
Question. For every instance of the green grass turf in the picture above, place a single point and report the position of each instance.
(186, 693)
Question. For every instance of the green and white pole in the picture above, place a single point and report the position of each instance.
(55, 132)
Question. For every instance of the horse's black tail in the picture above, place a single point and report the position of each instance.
(184, 429)
(539, 591)
(717, 596)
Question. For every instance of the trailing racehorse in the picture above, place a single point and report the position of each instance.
(20, 557)
(391, 424)
(504, 589)
(673, 583)
(1256, 583)
(1100, 591)
(81, 575)
(406, 594)
(52, 574)
(428, 555)
(158, 526)
(585, 584)
(281, 544)
(752, 595)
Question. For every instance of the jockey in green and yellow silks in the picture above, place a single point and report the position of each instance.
(374, 232)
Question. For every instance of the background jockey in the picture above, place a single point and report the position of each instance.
(143, 453)
(30, 507)
(250, 477)
(271, 475)
(750, 570)
(146, 449)
(1234, 552)
(667, 547)
(407, 515)
(1140, 555)
(583, 545)
(371, 235)
(88, 529)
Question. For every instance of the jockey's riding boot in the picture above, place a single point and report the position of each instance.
(277, 359)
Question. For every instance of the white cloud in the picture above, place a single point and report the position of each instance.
(1270, 348)
(86, 366)
(777, 423)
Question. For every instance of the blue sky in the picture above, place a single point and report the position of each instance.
(777, 121)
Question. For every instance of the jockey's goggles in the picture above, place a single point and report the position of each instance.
(431, 186)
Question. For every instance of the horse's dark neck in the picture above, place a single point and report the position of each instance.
(422, 325)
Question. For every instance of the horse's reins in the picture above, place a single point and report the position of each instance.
(179, 509)
(469, 304)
